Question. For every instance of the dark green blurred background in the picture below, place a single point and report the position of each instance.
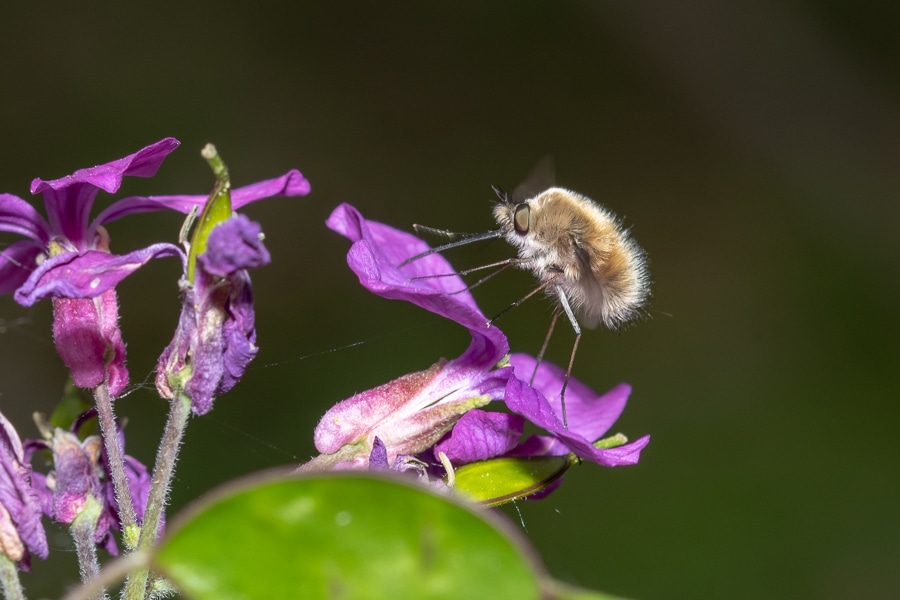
(752, 145)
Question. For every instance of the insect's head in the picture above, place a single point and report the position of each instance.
(519, 212)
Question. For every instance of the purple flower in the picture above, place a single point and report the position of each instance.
(414, 411)
(81, 469)
(401, 412)
(21, 530)
(216, 338)
(67, 255)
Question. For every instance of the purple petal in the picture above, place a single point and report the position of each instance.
(207, 371)
(16, 494)
(238, 334)
(234, 245)
(108, 177)
(586, 412)
(69, 199)
(87, 338)
(540, 445)
(481, 435)
(530, 403)
(352, 419)
(378, 458)
(17, 262)
(374, 257)
(18, 216)
(290, 184)
(86, 275)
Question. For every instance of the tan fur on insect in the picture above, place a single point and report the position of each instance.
(601, 270)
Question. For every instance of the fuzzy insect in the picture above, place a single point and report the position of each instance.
(580, 253)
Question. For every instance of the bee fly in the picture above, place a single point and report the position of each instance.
(579, 252)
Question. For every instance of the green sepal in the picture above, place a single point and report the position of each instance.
(500, 480)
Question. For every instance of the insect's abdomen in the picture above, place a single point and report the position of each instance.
(605, 272)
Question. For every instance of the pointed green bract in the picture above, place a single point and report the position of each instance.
(344, 536)
(216, 209)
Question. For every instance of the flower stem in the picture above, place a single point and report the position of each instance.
(179, 411)
(9, 579)
(114, 454)
(83, 528)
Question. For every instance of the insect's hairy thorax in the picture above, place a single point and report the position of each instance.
(581, 247)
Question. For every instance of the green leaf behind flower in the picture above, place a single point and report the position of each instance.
(347, 536)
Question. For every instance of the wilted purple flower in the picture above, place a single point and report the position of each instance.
(80, 470)
(21, 530)
(216, 338)
(67, 255)
(412, 412)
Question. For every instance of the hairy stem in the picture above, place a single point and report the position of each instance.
(83, 528)
(179, 411)
(9, 579)
(114, 454)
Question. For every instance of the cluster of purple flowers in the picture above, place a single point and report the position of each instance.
(433, 417)
(66, 258)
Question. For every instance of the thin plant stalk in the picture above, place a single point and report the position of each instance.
(179, 411)
(114, 451)
(9, 579)
(83, 529)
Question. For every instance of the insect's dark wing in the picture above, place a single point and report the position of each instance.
(541, 177)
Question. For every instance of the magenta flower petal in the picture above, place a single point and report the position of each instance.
(591, 415)
(17, 261)
(18, 216)
(481, 435)
(87, 338)
(86, 275)
(531, 403)
(68, 200)
(291, 184)
(21, 529)
(375, 256)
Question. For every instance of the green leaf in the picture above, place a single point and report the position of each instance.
(501, 480)
(74, 402)
(347, 536)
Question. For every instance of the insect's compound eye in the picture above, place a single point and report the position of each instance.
(521, 218)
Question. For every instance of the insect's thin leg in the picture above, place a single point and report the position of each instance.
(524, 298)
(477, 237)
(505, 266)
(540, 356)
(504, 263)
(564, 302)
